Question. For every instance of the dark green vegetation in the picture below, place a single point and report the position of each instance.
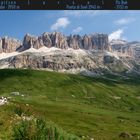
(100, 108)
(39, 130)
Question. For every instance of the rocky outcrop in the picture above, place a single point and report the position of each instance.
(135, 46)
(8, 45)
(122, 47)
(73, 61)
(89, 42)
(31, 42)
(100, 42)
(90, 54)
(75, 41)
(55, 39)
(46, 40)
(59, 40)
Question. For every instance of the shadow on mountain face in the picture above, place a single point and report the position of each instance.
(7, 73)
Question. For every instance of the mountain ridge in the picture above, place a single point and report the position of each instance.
(57, 39)
(91, 54)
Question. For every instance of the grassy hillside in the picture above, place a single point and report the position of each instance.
(99, 108)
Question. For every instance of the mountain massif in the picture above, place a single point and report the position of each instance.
(89, 54)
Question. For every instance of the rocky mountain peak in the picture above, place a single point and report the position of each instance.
(123, 47)
(56, 39)
(8, 45)
(92, 53)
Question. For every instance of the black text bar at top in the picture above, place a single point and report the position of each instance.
(69, 4)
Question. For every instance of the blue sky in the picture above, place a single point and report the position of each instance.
(118, 24)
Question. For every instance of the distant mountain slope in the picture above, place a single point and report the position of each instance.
(89, 54)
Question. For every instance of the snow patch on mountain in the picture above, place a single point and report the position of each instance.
(44, 49)
(6, 55)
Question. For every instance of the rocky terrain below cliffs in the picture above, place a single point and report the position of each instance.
(91, 54)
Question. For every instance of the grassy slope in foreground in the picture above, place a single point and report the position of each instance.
(98, 107)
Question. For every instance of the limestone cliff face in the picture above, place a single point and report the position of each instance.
(75, 41)
(70, 60)
(122, 47)
(31, 42)
(89, 42)
(66, 60)
(46, 40)
(54, 51)
(55, 39)
(100, 42)
(8, 45)
(58, 40)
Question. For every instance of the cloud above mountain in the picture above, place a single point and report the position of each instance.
(116, 34)
(66, 21)
(60, 23)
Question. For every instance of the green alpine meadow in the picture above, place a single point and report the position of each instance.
(44, 105)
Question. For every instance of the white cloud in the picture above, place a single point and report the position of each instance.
(60, 23)
(116, 34)
(79, 13)
(124, 21)
(77, 30)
